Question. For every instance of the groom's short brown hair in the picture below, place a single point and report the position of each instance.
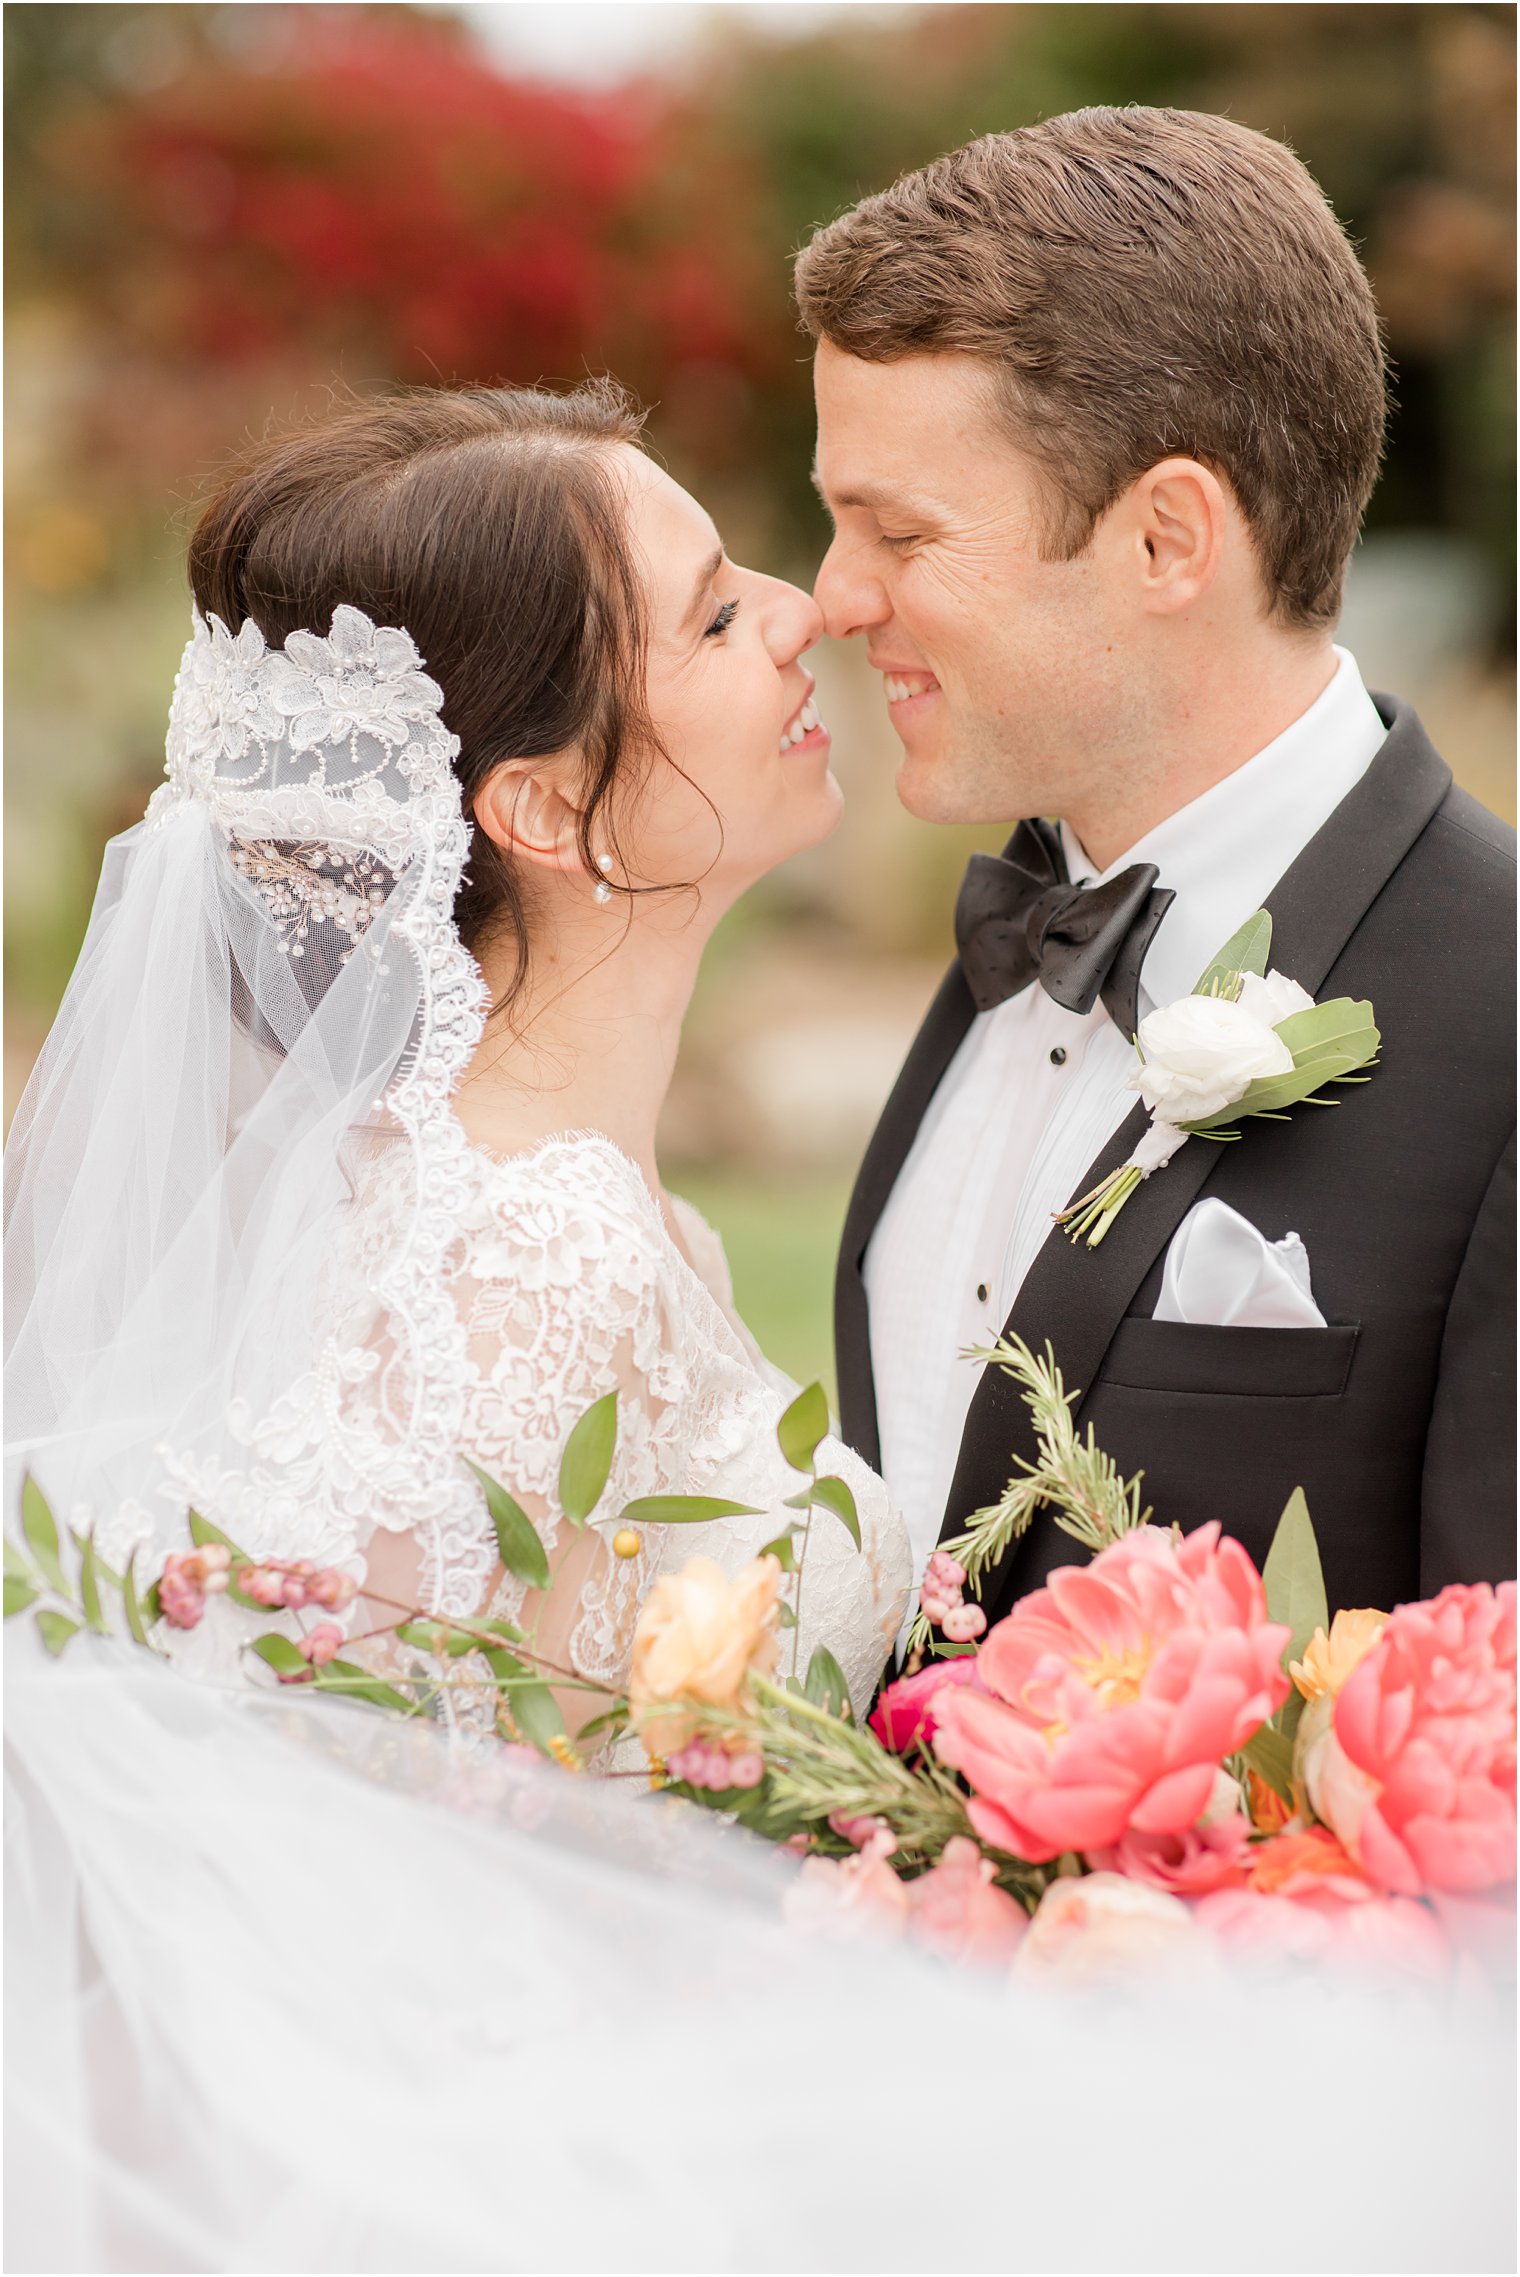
(1145, 282)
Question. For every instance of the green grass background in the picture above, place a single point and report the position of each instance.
(781, 1236)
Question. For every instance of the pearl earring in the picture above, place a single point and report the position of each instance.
(602, 891)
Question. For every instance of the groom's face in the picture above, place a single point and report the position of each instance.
(1002, 671)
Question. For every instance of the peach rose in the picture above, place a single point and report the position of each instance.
(698, 1636)
(1112, 1695)
(1104, 1929)
(1329, 1660)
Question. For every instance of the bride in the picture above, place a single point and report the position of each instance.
(479, 734)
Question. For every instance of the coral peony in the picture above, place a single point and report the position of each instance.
(1102, 1929)
(957, 1910)
(698, 1636)
(1329, 1922)
(1108, 1699)
(837, 1897)
(905, 1716)
(1416, 1773)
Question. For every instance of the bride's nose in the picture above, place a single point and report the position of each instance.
(793, 623)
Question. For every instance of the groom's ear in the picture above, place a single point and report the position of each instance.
(527, 808)
(1180, 518)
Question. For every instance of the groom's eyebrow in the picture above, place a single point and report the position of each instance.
(873, 495)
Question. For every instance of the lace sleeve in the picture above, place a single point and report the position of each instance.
(567, 1286)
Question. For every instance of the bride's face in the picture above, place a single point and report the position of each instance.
(731, 701)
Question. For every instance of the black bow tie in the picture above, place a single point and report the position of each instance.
(1019, 918)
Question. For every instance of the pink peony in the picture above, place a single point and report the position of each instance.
(1388, 1936)
(837, 1897)
(1211, 1855)
(905, 1716)
(956, 1910)
(1417, 1772)
(1107, 1700)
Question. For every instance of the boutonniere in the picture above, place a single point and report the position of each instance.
(1246, 1042)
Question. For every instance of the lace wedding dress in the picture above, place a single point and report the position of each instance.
(567, 1284)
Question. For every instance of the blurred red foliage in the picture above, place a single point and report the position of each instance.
(376, 189)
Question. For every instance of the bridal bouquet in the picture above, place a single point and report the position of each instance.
(1160, 1754)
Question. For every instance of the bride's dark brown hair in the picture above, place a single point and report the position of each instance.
(489, 523)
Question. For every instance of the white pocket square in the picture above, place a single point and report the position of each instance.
(1221, 1273)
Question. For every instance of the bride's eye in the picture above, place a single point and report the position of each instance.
(722, 620)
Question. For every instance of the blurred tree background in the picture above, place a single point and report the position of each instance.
(215, 214)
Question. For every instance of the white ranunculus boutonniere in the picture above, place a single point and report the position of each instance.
(1246, 1042)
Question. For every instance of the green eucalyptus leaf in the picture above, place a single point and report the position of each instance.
(355, 1683)
(203, 1534)
(55, 1630)
(500, 1628)
(279, 1654)
(825, 1685)
(37, 1523)
(1294, 1578)
(423, 1635)
(1330, 1024)
(132, 1604)
(1245, 951)
(785, 1617)
(588, 1459)
(517, 1541)
(535, 1711)
(89, 1588)
(835, 1495)
(782, 1551)
(802, 1426)
(802, 1501)
(682, 1510)
(19, 1593)
(16, 1567)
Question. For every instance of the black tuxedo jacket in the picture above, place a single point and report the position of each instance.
(1397, 1418)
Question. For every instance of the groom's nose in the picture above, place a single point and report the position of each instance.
(851, 601)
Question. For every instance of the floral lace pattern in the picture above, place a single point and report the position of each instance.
(569, 1286)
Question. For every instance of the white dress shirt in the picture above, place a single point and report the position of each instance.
(1035, 1092)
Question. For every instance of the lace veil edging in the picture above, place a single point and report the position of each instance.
(271, 991)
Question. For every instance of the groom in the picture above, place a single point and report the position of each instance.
(1100, 405)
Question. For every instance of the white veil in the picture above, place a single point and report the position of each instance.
(271, 989)
(292, 1986)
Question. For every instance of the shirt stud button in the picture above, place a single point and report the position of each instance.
(982, 1292)
(1058, 1055)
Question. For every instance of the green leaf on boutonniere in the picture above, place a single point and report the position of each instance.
(42, 1535)
(802, 1426)
(1328, 1042)
(517, 1541)
(1245, 951)
(588, 1459)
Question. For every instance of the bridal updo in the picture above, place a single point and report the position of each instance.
(489, 523)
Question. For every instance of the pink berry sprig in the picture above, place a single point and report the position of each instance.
(713, 1768)
(942, 1602)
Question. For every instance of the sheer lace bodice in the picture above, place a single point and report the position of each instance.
(567, 1284)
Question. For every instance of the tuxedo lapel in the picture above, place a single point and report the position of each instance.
(933, 1048)
(1073, 1297)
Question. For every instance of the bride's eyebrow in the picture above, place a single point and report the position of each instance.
(709, 571)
